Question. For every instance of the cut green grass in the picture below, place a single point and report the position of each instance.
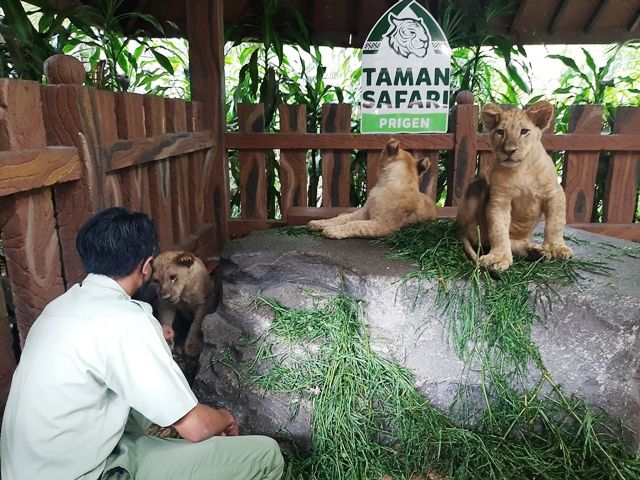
(368, 419)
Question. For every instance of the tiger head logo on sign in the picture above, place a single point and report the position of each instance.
(408, 36)
(406, 73)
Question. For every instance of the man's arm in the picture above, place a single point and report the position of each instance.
(203, 422)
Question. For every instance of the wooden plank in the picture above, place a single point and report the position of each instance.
(594, 16)
(580, 169)
(293, 163)
(253, 165)
(373, 169)
(624, 231)
(578, 142)
(70, 119)
(176, 114)
(159, 174)
(336, 178)
(205, 34)
(463, 169)
(241, 227)
(29, 237)
(200, 171)
(335, 141)
(30, 169)
(104, 104)
(127, 153)
(134, 181)
(302, 215)
(555, 20)
(621, 189)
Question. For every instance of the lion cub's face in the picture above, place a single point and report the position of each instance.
(514, 133)
(171, 273)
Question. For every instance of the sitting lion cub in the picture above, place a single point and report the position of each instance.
(182, 282)
(522, 188)
(395, 201)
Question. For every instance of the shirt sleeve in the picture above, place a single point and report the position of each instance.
(141, 370)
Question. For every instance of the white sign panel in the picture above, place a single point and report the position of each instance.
(406, 63)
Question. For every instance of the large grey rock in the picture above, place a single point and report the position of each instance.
(589, 340)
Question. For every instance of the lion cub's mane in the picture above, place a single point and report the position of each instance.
(395, 201)
(521, 189)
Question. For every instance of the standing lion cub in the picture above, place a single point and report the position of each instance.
(183, 284)
(395, 201)
(521, 189)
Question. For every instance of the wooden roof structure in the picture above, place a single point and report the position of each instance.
(346, 23)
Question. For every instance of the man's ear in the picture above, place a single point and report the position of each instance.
(490, 116)
(147, 266)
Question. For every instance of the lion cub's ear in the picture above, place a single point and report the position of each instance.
(423, 165)
(391, 148)
(185, 259)
(490, 116)
(540, 113)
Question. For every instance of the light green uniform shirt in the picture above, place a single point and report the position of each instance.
(91, 356)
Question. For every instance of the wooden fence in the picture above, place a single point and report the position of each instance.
(468, 151)
(66, 152)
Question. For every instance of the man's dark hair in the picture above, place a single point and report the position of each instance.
(115, 241)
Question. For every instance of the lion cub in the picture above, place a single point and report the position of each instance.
(395, 201)
(521, 189)
(183, 284)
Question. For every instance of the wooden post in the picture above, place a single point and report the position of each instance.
(463, 168)
(70, 120)
(176, 115)
(159, 174)
(293, 163)
(621, 189)
(134, 180)
(253, 165)
(205, 33)
(336, 165)
(29, 236)
(580, 168)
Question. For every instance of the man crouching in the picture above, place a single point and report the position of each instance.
(95, 367)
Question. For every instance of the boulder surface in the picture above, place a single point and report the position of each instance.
(588, 340)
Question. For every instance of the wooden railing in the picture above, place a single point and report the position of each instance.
(67, 151)
(468, 151)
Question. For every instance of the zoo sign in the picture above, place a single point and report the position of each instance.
(406, 62)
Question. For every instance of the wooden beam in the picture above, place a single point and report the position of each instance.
(205, 33)
(562, 5)
(594, 16)
(334, 141)
(127, 153)
(30, 169)
(635, 21)
(625, 231)
(242, 227)
(576, 142)
(302, 215)
(436, 141)
(515, 23)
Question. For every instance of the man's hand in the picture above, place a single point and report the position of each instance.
(205, 422)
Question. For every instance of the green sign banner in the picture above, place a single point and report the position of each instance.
(406, 63)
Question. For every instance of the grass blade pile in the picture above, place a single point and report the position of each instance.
(370, 422)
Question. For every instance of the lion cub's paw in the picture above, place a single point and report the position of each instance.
(193, 345)
(557, 250)
(334, 232)
(169, 335)
(496, 261)
(315, 225)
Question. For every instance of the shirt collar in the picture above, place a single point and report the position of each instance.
(105, 281)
